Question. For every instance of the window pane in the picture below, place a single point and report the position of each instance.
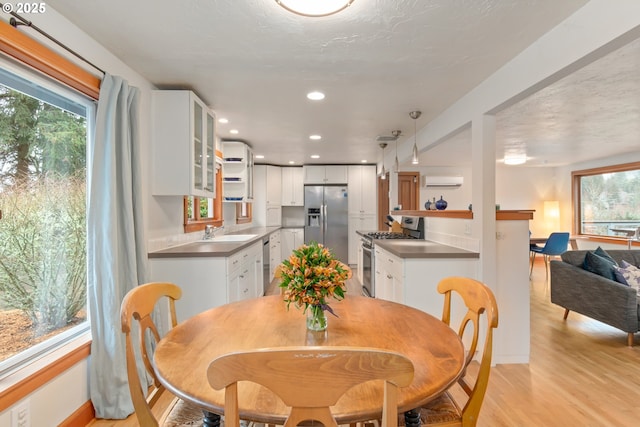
(43, 273)
(610, 203)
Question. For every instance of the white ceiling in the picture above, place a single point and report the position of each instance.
(253, 63)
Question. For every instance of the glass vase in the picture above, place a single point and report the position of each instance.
(316, 318)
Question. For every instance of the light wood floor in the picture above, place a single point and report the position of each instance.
(581, 373)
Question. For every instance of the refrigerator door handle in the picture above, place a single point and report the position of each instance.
(325, 223)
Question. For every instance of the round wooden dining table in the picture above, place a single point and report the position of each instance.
(183, 355)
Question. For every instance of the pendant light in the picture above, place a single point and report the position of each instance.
(383, 173)
(396, 165)
(415, 115)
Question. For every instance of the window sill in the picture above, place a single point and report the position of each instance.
(30, 377)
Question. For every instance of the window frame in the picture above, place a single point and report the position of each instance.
(576, 201)
(19, 50)
(197, 223)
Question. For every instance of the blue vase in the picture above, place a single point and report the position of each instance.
(427, 205)
(441, 204)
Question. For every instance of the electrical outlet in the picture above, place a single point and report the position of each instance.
(467, 228)
(21, 415)
(499, 235)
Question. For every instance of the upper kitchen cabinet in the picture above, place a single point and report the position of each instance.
(183, 131)
(267, 210)
(329, 174)
(362, 190)
(237, 172)
(292, 186)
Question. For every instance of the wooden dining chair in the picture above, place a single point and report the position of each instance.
(311, 379)
(139, 304)
(480, 302)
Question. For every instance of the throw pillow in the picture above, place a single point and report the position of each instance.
(599, 265)
(631, 275)
(601, 252)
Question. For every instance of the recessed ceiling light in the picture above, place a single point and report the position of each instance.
(291, 162)
(315, 137)
(363, 161)
(315, 96)
(259, 156)
(315, 156)
(234, 131)
(223, 120)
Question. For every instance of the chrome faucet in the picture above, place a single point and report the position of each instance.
(209, 231)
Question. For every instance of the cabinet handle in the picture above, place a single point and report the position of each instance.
(389, 276)
(390, 260)
(246, 290)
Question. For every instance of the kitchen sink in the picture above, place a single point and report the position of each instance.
(231, 238)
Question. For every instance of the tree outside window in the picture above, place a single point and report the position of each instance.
(43, 276)
(608, 200)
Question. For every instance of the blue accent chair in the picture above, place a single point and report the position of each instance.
(556, 245)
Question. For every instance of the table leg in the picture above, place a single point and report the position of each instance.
(211, 419)
(412, 418)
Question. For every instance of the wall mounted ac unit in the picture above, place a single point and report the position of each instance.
(442, 181)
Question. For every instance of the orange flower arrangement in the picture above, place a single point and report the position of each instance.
(311, 275)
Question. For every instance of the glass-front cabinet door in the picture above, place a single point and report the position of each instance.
(197, 145)
(210, 155)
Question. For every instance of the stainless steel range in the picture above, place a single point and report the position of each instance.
(412, 228)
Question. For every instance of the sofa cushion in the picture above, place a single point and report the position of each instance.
(599, 265)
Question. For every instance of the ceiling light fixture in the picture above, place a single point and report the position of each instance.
(396, 165)
(234, 131)
(223, 120)
(415, 115)
(383, 172)
(512, 159)
(315, 8)
(315, 156)
(315, 96)
(315, 137)
(259, 156)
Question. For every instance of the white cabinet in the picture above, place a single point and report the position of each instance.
(362, 188)
(292, 238)
(209, 282)
(358, 223)
(183, 134)
(329, 174)
(267, 210)
(244, 274)
(237, 172)
(275, 252)
(389, 276)
(292, 186)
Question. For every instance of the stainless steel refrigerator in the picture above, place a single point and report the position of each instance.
(326, 218)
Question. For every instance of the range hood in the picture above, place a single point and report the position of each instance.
(441, 181)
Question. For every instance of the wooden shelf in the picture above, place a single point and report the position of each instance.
(501, 215)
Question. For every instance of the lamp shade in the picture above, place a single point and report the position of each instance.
(315, 8)
(551, 212)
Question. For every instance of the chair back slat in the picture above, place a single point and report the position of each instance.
(289, 371)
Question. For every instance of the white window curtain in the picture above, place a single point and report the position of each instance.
(115, 248)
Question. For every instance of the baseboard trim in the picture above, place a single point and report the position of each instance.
(81, 417)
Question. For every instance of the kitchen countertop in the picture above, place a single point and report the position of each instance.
(213, 249)
(422, 249)
(416, 248)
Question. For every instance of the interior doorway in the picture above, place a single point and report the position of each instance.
(409, 190)
(383, 201)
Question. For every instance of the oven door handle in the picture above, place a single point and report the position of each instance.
(367, 248)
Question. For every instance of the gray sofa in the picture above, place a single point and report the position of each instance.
(595, 296)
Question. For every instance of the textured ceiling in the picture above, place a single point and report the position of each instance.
(253, 63)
